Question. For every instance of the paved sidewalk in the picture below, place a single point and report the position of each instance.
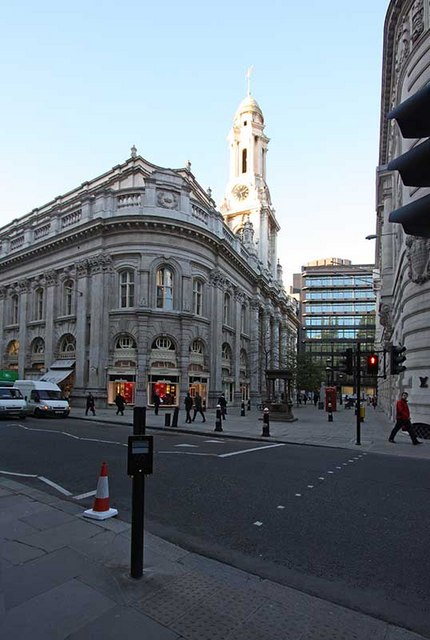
(67, 578)
(310, 428)
(64, 577)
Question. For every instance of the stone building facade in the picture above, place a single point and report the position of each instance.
(135, 283)
(403, 287)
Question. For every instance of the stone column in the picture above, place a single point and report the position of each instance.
(51, 279)
(24, 287)
(254, 354)
(100, 267)
(3, 310)
(215, 346)
(238, 301)
(81, 305)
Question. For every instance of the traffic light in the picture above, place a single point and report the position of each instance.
(397, 359)
(413, 118)
(372, 364)
(347, 364)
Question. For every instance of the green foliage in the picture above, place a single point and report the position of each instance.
(308, 373)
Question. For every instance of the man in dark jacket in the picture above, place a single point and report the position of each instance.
(198, 407)
(188, 402)
(120, 404)
(403, 420)
(223, 405)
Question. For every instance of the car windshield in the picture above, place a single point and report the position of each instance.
(47, 394)
(8, 394)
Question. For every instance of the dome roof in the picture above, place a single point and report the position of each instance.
(249, 105)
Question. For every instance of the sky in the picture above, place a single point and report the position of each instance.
(84, 81)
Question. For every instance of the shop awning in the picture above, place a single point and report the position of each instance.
(58, 371)
(7, 375)
(55, 375)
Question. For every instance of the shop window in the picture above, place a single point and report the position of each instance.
(164, 289)
(126, 289)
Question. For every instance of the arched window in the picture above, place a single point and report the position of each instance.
(126, 289)
(227, 308)
(13, 348)
(125, 342)
(165, 289)
(197, 297)
(39, 303)
(68, 297)
(243, 362)
(197, 346)
(14, 309)
(162, 342)
(38, 346)
(67, 345)
(226, 352)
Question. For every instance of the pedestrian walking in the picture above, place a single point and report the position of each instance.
(198, 407)
(120, 404)
(156, 401)
(223, 405)
(403, 420)
(316, 398)
(188, 402)
(91, 404)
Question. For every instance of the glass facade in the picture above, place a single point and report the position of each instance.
(337, 311)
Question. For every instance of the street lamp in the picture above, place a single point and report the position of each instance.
(374, 236)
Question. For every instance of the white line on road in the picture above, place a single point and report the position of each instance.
(191, 453)
(52, 484)
(192, 446)
(258, 523)
(238, 453)
(85, 495)
(71, 435)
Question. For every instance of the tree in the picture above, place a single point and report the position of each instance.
(307, 372)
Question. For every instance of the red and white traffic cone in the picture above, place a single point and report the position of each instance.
(101, 509)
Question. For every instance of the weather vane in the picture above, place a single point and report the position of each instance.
(248, 77)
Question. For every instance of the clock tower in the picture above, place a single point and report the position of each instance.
(247, 197)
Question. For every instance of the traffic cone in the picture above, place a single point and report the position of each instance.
(101, 509)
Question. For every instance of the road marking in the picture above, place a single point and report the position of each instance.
(321, 478)
(330, 471)
(217, 441)
(258, 523)
(238, 453)
(298, 495)
(192, 446)
(70, 435)
(52, 484)
(192, 453)
(85, 495)
(338, 467)
(310, 486)
(280, 506)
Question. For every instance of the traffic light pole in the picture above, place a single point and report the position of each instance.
(358, 385)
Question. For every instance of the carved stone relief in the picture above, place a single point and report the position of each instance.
(418, 256)
(385, 317)
(167, 199)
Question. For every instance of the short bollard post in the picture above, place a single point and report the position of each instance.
(175, 417)
(167, 420)
(266, 423)
(218, 419)
(249, 405)
(329, 412)
(242, 409)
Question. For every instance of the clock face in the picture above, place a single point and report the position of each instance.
(240, 191)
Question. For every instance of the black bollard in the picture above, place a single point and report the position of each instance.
(249, 405)
(329, 412)
(175, 417)
(266, 424)
(167, 419)
(218, 419)
(242, 409)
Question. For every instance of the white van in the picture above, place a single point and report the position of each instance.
(12, 403)
(43, 398)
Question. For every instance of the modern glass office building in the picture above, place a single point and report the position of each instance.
(337, 310)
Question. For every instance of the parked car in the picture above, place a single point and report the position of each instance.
(43, 398)
(12, 403)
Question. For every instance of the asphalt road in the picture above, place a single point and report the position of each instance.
(348, 527)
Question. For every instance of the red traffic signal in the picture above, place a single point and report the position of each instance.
(372, 364)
